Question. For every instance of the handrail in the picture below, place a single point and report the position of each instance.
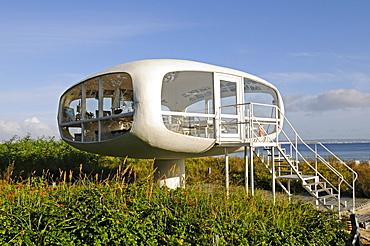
(251, 135)
(354, 175)
(251, 120)
(326, 163)
(320, 157)
(338, 159)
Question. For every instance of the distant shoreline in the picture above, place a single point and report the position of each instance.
(339, 141)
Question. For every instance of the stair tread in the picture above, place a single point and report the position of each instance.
(328, 196)
(315, 183)
(321, 190)
(295, 176)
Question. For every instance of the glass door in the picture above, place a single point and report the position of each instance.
(227, 101)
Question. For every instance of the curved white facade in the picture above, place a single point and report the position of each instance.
(168, 109)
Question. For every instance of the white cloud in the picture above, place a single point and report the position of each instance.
(333, 124)
(328, 100)
(32, 120)
(37, 128)
(31, 125)
(10, 128)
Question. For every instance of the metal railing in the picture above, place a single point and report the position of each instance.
(244, 126)
(249, 127)
(296, 153)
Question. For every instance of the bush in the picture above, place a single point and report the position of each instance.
(115, 213)
(21, 158)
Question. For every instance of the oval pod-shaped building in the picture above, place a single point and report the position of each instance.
(169, 109)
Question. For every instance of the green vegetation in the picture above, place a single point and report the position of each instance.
(21, 158)
(53, 194)
(112, 212)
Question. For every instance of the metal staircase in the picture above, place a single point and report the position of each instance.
(280, 149)
(323, 178)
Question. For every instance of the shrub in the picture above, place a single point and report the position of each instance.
(115, 213)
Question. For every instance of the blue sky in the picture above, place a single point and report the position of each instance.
(316, 53)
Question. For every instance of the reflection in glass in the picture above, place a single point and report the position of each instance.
(117, 93)
(71, 105)
(93, 100)
(228, 97)
(190, 125)
(190, 92)
(115, 127)
(90, 131)
(258, 93)
(72, 132)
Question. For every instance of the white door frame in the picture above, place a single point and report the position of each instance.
(222, 132)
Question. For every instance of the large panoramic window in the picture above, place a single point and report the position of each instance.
(98, 109)
(117, 94)
(262, 96)
(192, 94)
(260, 101)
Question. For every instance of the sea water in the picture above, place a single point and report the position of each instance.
(345, 151)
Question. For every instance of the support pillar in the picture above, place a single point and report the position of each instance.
(227, 171)
(246, 164)
(251, 149)
(170, 173)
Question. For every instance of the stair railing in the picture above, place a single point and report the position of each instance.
(341, 179)
(250, 121)
(295, 153)
(354, 174)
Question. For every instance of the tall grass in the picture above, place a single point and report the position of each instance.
(113, 212)
(21, 158)
(53, 194)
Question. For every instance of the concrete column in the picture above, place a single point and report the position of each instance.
(246, 164)
(170, 173)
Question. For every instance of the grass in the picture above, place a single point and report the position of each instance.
(53, 194)
(113, 212)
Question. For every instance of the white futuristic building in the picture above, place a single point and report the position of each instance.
(168, 110)
(176, 109)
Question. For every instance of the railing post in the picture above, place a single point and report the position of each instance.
(353, 193)
(250, 127)
(339, 183)
(316, 170)
(296, 147)
(273, 174)
(277, 124)
(227, 171)
(250, 119)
